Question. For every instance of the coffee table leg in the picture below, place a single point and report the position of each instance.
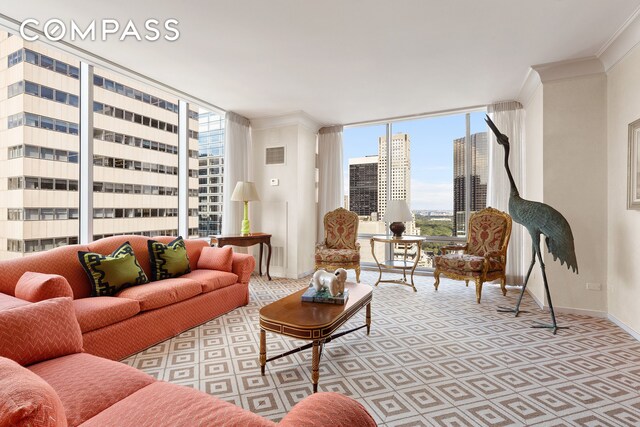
(263, 350)
(368, 319)
(315, 365)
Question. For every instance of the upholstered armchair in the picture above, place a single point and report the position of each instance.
(484, 257)
(340, 248)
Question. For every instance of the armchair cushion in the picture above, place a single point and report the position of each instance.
(337, 256)
(466, 263)
(36, 287)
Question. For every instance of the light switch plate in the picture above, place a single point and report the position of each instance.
(275, 181)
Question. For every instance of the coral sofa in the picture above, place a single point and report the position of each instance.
(62, 386)
(140, 316)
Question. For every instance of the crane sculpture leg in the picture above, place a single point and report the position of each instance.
(536, 252)
(516, 309)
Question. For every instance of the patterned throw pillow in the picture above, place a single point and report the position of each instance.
(110, 274)
(168, 260)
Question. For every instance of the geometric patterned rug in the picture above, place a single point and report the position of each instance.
(433, 358)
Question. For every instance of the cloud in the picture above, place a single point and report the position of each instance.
(432, 196)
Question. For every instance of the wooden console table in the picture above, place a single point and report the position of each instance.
(245, 241)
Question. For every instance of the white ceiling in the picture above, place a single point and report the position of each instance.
(344, 61)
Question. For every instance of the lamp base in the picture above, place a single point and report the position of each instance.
(397, 228)
(245, 221)
(245, 228)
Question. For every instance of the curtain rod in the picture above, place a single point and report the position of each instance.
(419, 115)
(13, 26)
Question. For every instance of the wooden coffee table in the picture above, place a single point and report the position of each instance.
(311, 321)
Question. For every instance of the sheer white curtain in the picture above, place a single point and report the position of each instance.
(509, 118)
(330, 191)
(237, 151)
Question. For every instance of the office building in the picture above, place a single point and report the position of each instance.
(363, 185)
(210, 172)
(135, 153)
(478, 177)
(400, 170)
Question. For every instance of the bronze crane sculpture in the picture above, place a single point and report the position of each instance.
(539, 219)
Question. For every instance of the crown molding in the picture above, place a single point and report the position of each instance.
(569, 69)
(291, 119)
(621, 42)
(529, 87)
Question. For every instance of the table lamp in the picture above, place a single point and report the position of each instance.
(397, 213)
(244, 192)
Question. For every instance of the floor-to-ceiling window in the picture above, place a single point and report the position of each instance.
(428, 164)
(135, 163)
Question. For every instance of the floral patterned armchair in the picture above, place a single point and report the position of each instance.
(484, 257)
(340, 248)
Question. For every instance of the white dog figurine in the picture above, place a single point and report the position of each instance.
(334, 283)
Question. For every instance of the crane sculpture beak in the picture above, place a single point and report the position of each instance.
(501, 138)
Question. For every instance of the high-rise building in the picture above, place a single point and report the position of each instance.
(135, 144)
(363, 185)
(211, 170)
(400, 170)
(478, 175)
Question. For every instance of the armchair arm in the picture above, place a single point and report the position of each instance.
(358, 246)
(243, 265)
(327, 409)
(445, 249)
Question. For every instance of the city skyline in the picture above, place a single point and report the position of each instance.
(431, 154)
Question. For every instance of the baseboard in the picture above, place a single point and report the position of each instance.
(635, 334)
(569, 310)
(536, 300)
(306, 273)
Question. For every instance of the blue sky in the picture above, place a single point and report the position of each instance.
(431, 154)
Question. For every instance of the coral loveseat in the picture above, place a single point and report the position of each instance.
(140, 316)
(62, 386)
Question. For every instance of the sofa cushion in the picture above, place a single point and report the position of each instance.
(98, 312)
(164, 404)
(210, 280)
(39, 331)
(36, 287)
(161, 293)
(109, 274)
(89, 384)
(168, 260)
(7, 301)
(216, 258)
(26, 399)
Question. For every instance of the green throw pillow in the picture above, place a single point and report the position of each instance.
(111, 273)
(168, 260)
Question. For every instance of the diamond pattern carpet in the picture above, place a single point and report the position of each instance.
(433, 358)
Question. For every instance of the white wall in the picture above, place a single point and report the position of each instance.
(623, 246)
(532, 177)
(565, 158)
(288, 210)
(575, 177)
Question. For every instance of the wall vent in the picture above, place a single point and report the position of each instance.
(274, 156)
